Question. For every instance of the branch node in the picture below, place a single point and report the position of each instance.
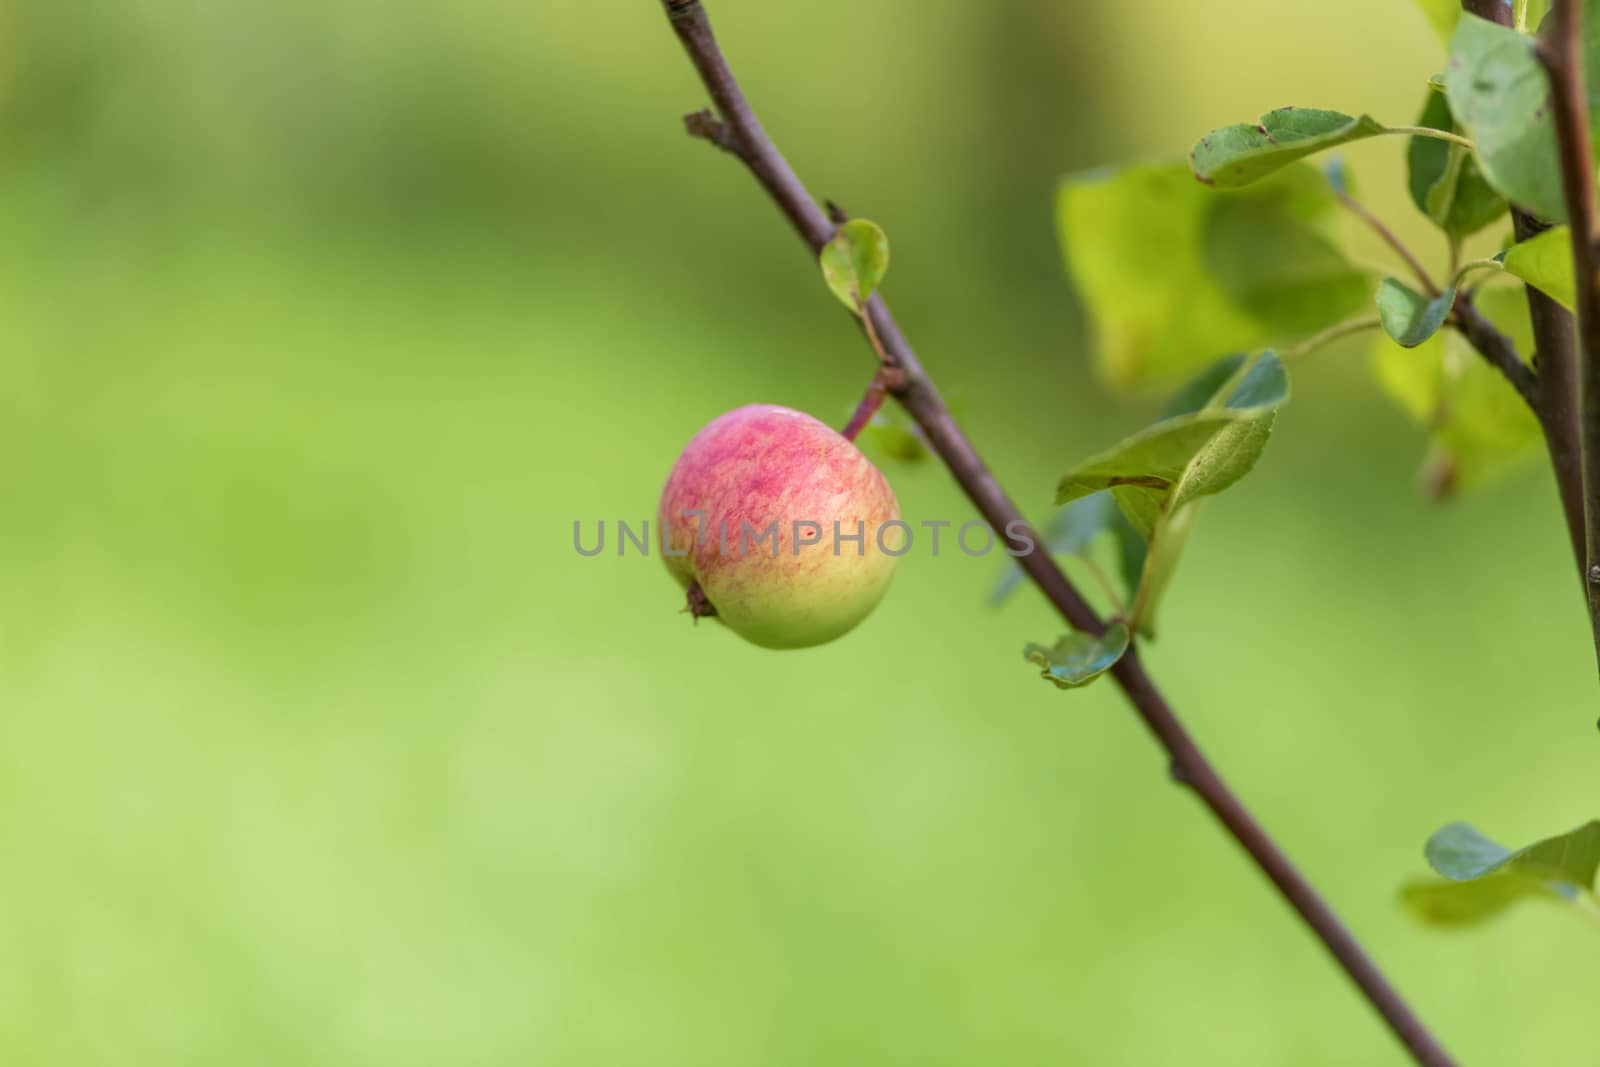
(707, 127)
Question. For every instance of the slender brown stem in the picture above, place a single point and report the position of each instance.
(1379, 227)
(1561, 52)
(1333, 333)
(1495, 346)
(919, 397)
(887, 378)
(871, 402)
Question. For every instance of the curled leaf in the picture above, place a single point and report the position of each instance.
(1157, 476)
(1444, 179)
(1477, 424)
(1079, 658)
(1409, 317)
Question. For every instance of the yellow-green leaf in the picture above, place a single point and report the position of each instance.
(1545, 262)
(855, 261)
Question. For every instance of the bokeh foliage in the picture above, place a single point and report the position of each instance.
(320, 323)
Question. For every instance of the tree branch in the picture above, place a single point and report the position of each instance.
(1493, 345)
(1561, 52)
(1555, 362)
(1498, 349)
(919, 397)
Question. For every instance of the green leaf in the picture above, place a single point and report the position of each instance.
(1444, 180)
(1078, 658)
(1461, 853)
(1409, 317)
(1545, 262)
(893, 435)
(1290, 286)
(855, 261)
(1174, 274)
(1464, 903)
(1198, 392)
(1161, 564)
(1478, 426)
(1442, 16)
(1132, 552)
(1498, 92)
(1073, 532)
(1484, 877)
(1182, 459)
(1159, 474)
(1238, 155)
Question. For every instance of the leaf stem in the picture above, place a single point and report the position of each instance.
(1437, 135)
(917, 393)
(1332, 334)
(871, 403)
(887, 375)
(1106, 586)
(1385, 234)
(1461, 272)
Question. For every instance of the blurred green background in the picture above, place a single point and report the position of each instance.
(322, 321)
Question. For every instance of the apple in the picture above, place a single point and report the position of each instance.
(759, 523)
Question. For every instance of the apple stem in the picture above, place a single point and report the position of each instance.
(870, 403)
(889, 378)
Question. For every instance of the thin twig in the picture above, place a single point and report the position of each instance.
(887, 379)
(1458, 273)
(1561, 52)
(1495, 346)
(1377, 225)
(924, 404)
(1333, 333)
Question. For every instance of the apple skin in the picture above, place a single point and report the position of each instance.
(761, 464)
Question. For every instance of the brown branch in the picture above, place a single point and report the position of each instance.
(1555, 362)
(1494, 346)
(1498, 349)
(1561, 52)
(919, 397)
